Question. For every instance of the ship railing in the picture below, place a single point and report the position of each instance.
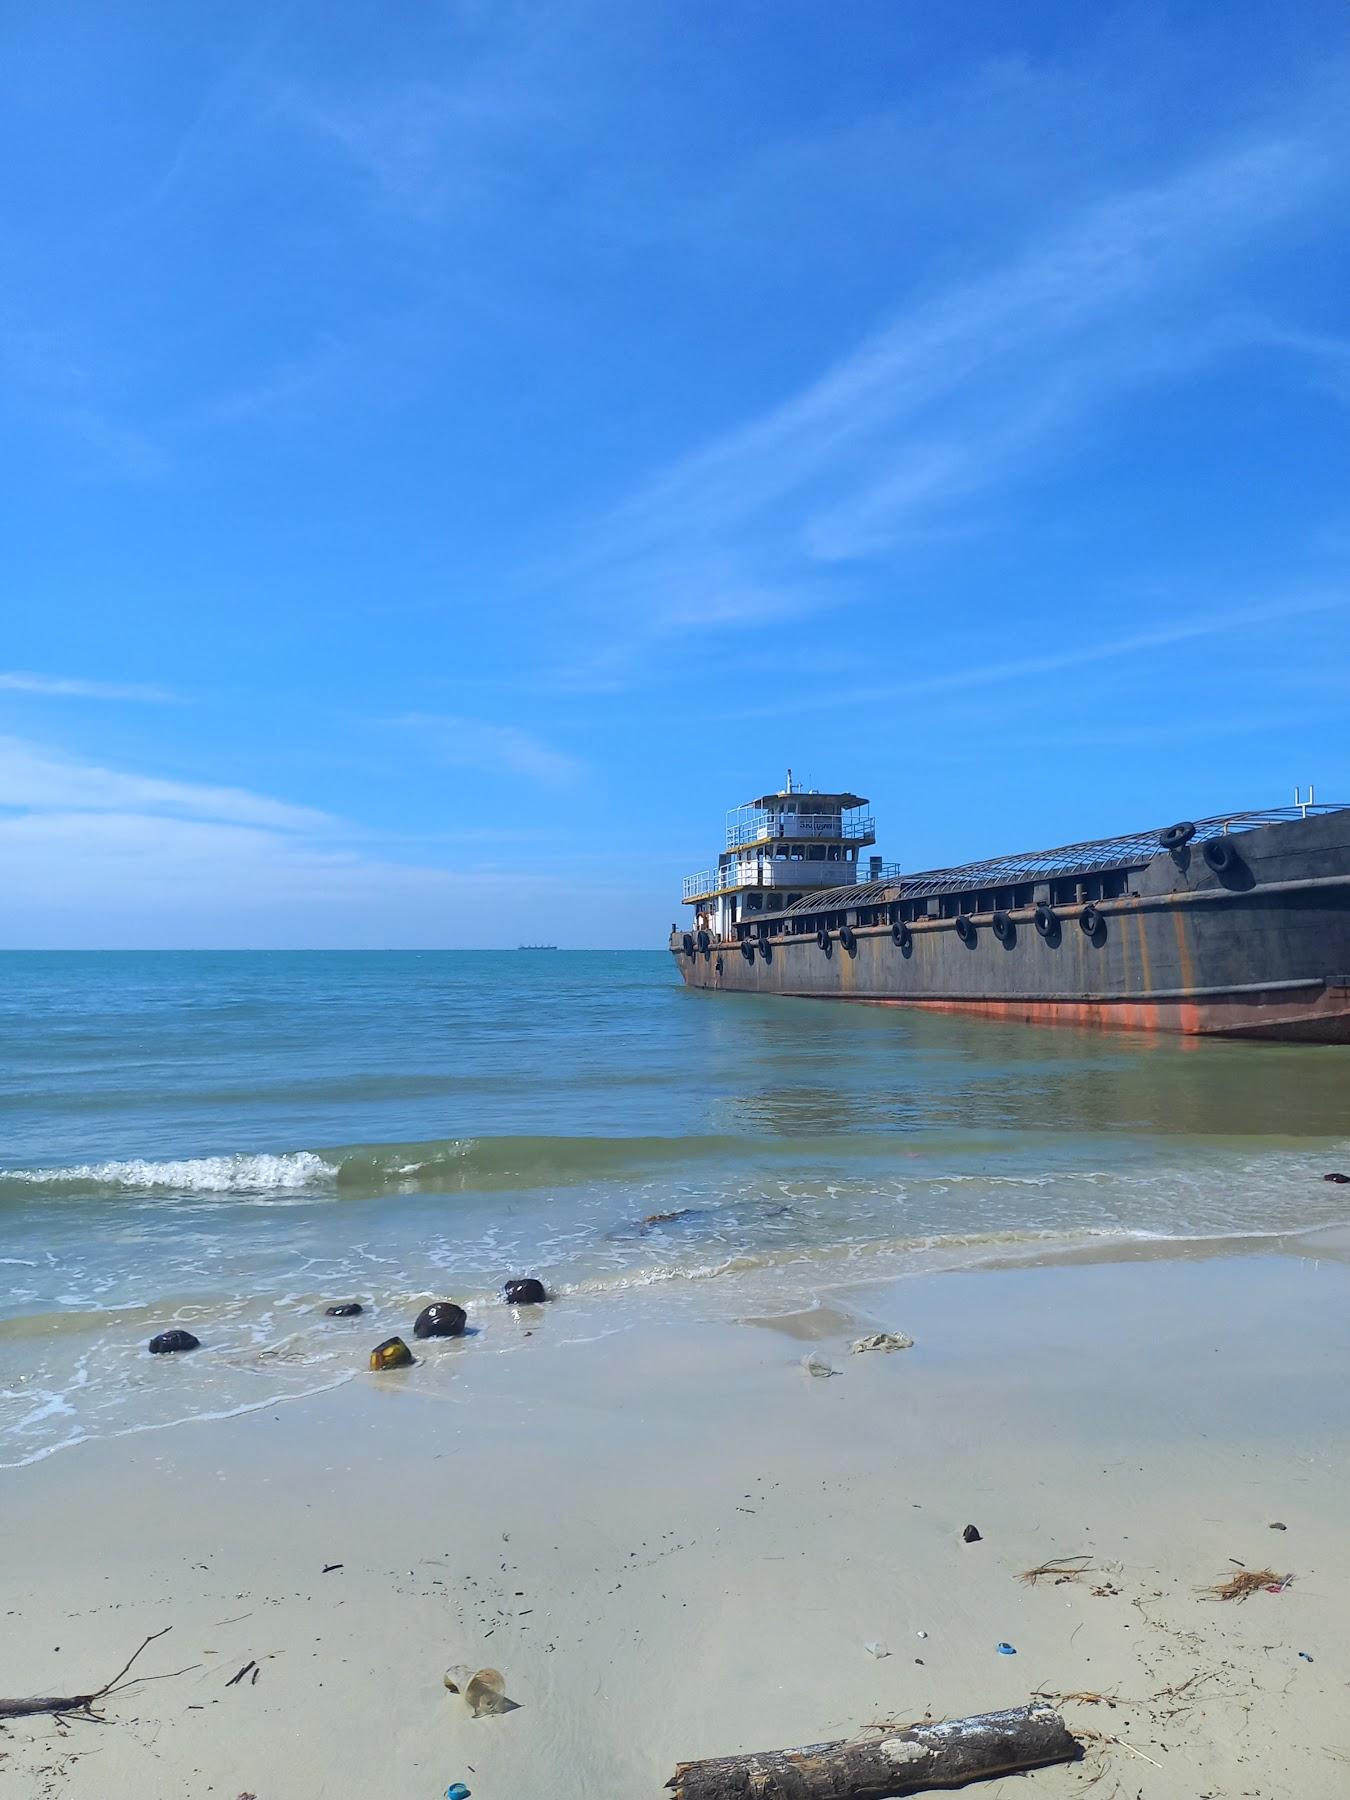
(775, 873)
(762, 827)
(707, 881)
(1132, 850)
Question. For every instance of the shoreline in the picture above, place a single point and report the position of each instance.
(743, 1288)
(730, 1534)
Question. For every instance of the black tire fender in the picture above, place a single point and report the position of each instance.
(823, 939)
(1220, 855)
(1090, 920)
(1002, 926)
(1046, 921)
(901, 935)
(847, 939)
(1177, 836)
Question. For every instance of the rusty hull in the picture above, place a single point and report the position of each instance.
(1262, 951)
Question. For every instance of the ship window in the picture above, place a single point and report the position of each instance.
(792, 899)
(815, 853)
(798, 852)
(834, 853)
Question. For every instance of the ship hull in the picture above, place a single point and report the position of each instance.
(1262, 951)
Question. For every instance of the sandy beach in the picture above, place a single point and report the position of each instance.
(673, 1542)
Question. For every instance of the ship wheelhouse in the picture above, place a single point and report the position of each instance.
(781, 848)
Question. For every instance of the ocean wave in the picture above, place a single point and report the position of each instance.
(821, 1163)
(363, 1170)
(241, 1174)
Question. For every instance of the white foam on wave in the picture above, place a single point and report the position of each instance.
(242, 1174)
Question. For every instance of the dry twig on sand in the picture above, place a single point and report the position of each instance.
(75, 1704)
(1058, 1569)
(1084, 1697)
(1106, 1737)
(1245, 1582)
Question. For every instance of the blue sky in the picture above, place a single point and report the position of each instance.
(451, 452)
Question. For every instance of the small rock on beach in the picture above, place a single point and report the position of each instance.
(525, 1292)
(166, 1343)
(441, 1319)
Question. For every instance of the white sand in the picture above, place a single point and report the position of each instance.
(674, 1543)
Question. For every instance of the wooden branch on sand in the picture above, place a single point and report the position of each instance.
(901, 1762)
(75, 1703)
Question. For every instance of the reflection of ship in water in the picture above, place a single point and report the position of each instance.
(1235, 926)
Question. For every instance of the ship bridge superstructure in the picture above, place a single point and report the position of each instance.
(780, 848)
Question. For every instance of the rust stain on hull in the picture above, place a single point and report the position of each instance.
(1325, 1020)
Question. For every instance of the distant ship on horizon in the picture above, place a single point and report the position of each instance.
(536, 946)
(1234, 926)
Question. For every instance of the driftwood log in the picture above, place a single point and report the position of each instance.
(82, 1705)
(901, 1762)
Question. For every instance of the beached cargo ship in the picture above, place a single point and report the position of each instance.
(1234, 926)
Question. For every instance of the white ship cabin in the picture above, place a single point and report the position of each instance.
(780, 848)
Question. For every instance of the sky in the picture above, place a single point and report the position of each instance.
(452, 451)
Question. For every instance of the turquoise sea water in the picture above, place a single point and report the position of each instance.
(231, 1141)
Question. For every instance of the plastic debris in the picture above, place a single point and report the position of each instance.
(971, 1536)
(483, 1690)
(815, 1364)
(457, 1791)
(393, 1353)
(884, 1340)
(1337, 1177)
(1305, 1656)
(1278, 1525)
(921, 1634)
(167, 1342)
(1006, 1650)
(344, 1309)
(876, 1648)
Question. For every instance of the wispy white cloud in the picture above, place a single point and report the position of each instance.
(493, 749)
(100, 856)
(1230, 621)
(70, 687)
(965, 677)
(962, 393)
(128, 878)
(38, 779)
(50, 387)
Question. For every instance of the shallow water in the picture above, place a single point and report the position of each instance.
(230, 1141)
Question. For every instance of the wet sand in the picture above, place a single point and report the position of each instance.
(674, 1543)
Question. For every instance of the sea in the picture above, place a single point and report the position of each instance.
(233, 1141)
